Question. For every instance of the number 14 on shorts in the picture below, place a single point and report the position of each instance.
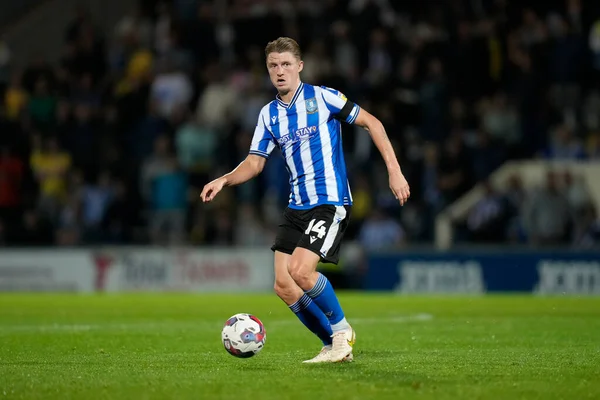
(316, 227)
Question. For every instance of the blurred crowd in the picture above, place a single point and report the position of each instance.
(558, 211)
(112, 144)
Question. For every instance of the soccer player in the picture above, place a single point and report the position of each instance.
(304, 122)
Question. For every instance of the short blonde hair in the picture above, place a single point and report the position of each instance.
(282, 45)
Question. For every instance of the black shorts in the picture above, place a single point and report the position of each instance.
(319, 229)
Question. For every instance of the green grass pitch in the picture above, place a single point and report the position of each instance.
(167, 346)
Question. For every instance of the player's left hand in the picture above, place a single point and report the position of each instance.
(399, 187)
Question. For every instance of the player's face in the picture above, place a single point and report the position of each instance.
(284, 71)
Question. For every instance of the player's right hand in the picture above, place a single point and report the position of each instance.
(211, 189)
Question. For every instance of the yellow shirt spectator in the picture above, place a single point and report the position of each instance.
(362, 204)
(15, 99)
(138, 67)
(140, 64)
(51, 169)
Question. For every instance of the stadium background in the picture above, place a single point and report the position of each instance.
(113, 120)
(113, 114)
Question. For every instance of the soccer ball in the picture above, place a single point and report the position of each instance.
(243, 335)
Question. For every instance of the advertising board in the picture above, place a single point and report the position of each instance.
(206, 270)
(38, 270)
(490, 271)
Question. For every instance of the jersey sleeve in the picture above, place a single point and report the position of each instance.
(262, 141)
(339, 106)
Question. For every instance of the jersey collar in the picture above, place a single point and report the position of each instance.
(298, 91)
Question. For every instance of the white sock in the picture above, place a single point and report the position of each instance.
(340, 326)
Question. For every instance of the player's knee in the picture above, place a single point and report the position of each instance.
(300, 272)
(284, 289)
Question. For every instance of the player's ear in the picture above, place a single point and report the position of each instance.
(300, 65)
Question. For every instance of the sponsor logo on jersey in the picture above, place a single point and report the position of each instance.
(299, 134)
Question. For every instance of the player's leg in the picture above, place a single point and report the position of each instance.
(300, 304)
(303, 265)
(321, 240)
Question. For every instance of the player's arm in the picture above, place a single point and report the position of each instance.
(248, 169)
(398, 183)
(377, 131)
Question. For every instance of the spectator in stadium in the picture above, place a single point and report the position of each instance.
(171, 89)
(564, 146)
(547, 214)
(140, 139)
(165, 190)
(454, 169)
(501, 120)
(515, 195)
(135, 27)
(487, 155)
(318, 63)
(82, 138)
(345, 51)
(379, 231)
(593, 146)
(428, 179)
(488, 219)
(95, 199)
(253, 98)
(216, 105)
(565, 63)
(42, 106)
(406, 97)
(50, 165)
(362, 196)
(433, 99)
(196, 148)
(120, 216)
(12, 173)
(15, 98)
(157, 163)
(68, 221)
(84, 94)
(587, 232)
(164, 24)
(576, 191)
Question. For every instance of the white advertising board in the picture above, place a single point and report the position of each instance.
(38, 270)
(185, 270)
(136, 269)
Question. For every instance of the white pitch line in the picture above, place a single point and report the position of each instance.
(152, 327)
(389, 319)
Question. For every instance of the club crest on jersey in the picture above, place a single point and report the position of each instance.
(311, 105)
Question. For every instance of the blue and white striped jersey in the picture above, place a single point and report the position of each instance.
(308, 132)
